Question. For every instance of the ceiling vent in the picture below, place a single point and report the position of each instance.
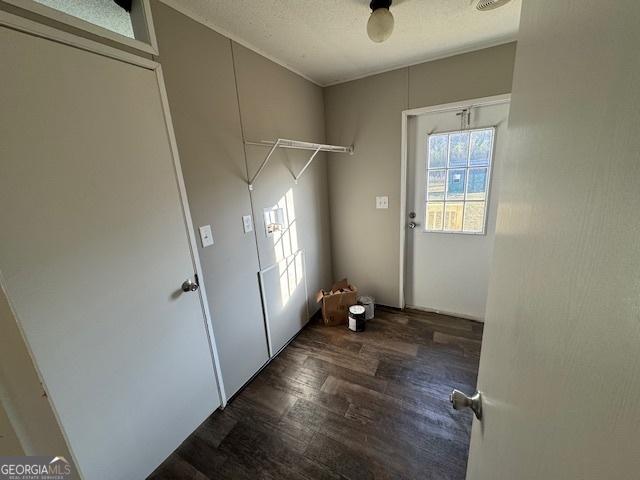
(484, 5)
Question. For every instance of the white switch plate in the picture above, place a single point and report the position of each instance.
(382, 202)
(206, 236)
(247, 222)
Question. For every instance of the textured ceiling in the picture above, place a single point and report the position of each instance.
(326, 40)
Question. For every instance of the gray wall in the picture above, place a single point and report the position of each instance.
(198, 68)
(367, 112)
(220, 93)
(275, 103)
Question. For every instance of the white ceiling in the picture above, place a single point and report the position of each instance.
(326, 40)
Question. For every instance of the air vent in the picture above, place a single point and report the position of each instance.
(484, 5)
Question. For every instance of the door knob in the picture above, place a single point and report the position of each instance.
(412, 225)
(189, 286)
(459, 401)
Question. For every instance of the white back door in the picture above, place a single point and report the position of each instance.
(93, 251)
(452, 198)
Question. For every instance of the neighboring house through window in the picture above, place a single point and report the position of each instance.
(458, 173)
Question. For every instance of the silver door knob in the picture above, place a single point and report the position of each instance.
(412, 225)
(459, 401)
(189, 286)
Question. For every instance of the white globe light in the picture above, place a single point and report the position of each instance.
(380, 25)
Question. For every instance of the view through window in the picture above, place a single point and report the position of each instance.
(104, 13)
(458, 172)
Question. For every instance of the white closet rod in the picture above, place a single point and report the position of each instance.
(298, 145)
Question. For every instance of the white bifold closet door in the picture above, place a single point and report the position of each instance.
(93, 251)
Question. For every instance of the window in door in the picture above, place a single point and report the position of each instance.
(457, 188)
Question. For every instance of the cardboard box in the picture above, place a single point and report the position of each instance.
(336, 302)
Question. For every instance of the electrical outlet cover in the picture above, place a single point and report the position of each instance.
(382, 202)
(247, 223)
(206, 236)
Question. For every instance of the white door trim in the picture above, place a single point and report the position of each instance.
(33, 28)
(22, 24)
(192, 236)
(414, 112)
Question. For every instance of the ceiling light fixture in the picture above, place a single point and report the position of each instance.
(380, 24)
(484, 5)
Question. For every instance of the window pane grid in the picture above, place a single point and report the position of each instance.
(462, 159)
(433, 189)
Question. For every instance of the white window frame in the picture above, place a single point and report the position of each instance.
(464, 201)
(150, 46)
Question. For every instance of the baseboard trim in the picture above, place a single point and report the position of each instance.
(266, 364)
(445, 312)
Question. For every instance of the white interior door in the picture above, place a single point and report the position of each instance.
(93, 252)
(453, 194)
(560, 364)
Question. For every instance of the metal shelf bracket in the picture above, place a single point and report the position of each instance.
(298, 145)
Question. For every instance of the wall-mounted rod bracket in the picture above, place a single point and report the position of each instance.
(306, 165)
(298, 145)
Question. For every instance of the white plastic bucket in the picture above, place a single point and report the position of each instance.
(369, 307)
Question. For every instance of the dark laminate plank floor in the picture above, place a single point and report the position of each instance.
(336, 404)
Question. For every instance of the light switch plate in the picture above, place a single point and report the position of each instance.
(247, 222)
(382, 202)
(206, 236)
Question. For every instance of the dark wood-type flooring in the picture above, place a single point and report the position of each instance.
(337, 404)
